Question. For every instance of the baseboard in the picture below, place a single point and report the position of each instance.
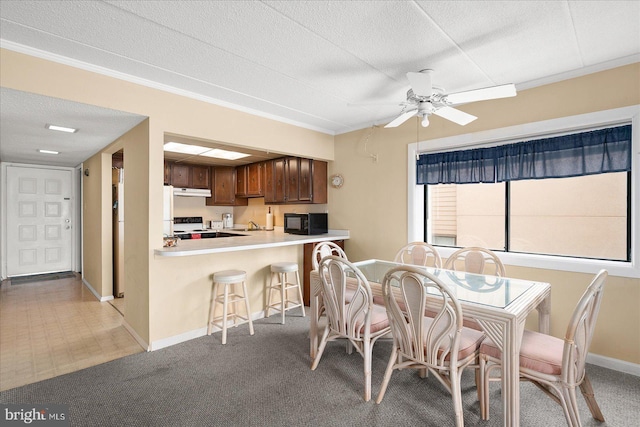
(193, 334)
(135, 335)
(614, 364)
(96, 294)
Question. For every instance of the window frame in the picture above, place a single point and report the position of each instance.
(416, 201)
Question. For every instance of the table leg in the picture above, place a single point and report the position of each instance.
(544, 315)
(513, 330)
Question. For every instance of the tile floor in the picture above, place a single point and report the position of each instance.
(54, 327)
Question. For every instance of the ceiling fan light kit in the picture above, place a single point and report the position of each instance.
(424, 99)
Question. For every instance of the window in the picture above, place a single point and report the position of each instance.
(567, 195)
(583, 216)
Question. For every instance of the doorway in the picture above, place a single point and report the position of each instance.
(40, 220)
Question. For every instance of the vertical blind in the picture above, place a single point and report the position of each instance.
(585, 153)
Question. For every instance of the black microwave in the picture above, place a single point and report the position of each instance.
(305, 223)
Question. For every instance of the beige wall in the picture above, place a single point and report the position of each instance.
(372, 204)
(148, 277)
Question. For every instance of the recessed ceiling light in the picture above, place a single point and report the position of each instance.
(61, 128)
(48, 152)
(177, 147)
(224, 154)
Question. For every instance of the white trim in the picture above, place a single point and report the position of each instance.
(49, 56)
(134, 334)
(195, 333)
(614, 364)
(415, 229)
(96, 294)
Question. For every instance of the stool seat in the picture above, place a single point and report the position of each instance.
(228, 280)
(280, 284)
(284, 267)
(229, 276)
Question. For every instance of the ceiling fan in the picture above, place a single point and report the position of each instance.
(424, 99)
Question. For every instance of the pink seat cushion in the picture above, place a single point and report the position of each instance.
(470, 339)
(538, 352)
(379, 319)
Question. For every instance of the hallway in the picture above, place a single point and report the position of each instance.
(54, 327)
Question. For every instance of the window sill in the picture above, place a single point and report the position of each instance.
(550, 262)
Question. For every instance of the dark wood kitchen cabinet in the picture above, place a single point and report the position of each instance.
(184, 175)
(180, 174)
(200, 176)
(255, 178)
(241, 181)
(249, 180)
(295, 180)
(223, 188)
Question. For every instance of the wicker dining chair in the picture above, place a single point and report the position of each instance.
(440, 344)
(358, 320)
(419, 253)
(477, 260)
(555, 365)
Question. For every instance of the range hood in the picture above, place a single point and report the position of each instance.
(192, 192)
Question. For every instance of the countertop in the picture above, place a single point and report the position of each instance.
(248, 241)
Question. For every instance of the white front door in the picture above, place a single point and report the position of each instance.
(39, 227)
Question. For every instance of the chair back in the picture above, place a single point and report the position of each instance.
(431, 340)
(475, 260)
(324, 249)
(419, 253)
(580, 330)
(349, 316)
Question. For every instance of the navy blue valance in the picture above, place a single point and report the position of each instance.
(585, 153)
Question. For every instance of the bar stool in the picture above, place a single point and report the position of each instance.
(279, 271)
(229, 279)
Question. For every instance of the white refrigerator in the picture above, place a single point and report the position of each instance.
(118, 236)
(167, 211)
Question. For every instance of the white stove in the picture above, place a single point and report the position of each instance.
(187, 224)
(192, 227)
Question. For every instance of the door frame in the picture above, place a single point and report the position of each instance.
(76, 213)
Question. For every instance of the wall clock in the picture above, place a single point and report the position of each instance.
(337, 180)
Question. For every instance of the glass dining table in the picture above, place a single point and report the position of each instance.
(500, 305)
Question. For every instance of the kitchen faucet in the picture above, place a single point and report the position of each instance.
(254, 226)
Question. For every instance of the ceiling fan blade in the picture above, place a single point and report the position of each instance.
(494, 92)
(456, 116)
(421, 82)
(401, 118)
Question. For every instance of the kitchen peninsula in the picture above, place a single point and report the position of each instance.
(247, 240)
(182, 297)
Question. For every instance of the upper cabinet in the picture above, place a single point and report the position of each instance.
(223, 188)
(186, 175)
(180, 175)
(199, 176)
(292, 180)
(249, 180)
(255, 179)
(287, 180)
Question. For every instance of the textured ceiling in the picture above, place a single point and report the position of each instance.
(305, 62)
